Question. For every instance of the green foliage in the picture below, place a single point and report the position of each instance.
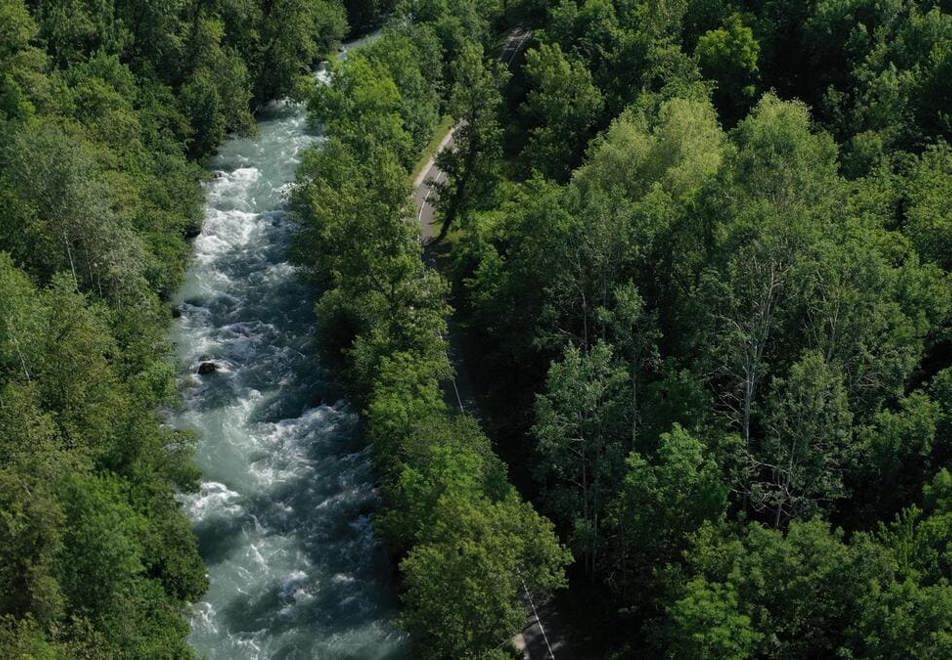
(202, 103)
(470, 546)
(101, 103)
(811, 593)
(678, 147)
(808, 443)
(709, 624)
(758, 320)
(382, 99)
(79, 541)
(799, 592)
(578, 420)
(660, 505)
(728, 55)
(471, 164)
(906, 620)
(928, 220)
(780, 291)
(781, 157)
(469, 574)
(899, 447)
(33, 515)
(564, 106)
(443, 456)
(104, 550)
(363, 14)
(293, 35)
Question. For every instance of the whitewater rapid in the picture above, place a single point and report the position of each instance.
(284, 512)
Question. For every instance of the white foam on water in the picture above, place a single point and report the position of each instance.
(204, 617)
(282, 514)
(212, 499)
(224, 231)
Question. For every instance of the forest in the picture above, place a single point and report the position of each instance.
(705, 291)
(701, 252)
(698, 253)
(107, 110)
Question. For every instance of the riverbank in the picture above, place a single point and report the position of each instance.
(467, 543)
(284, 511)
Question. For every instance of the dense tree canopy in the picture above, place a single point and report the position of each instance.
(700, 253)
(470, 549)
(105, 109)
(711, 303)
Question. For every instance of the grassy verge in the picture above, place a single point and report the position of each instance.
(444, 127)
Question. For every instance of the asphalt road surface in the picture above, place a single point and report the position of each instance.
(542, 637)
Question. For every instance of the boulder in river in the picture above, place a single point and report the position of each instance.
(207, 368)
(192, 231)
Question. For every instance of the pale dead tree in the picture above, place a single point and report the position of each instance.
(744, 307)
(12, 331)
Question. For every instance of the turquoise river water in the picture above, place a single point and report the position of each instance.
(284, 512)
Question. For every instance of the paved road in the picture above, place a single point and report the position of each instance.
(425, 198)
(534, 640)
(423, 192)
(542, 637)
(424, 195)
(516, 41)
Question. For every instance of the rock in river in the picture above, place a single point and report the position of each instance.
(206, 368)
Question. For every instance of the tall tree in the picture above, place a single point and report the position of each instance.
(808, 444)
(728, 55)
(471, 573)
(580, 426)
(563, 107)
(477, 140)
(662, 502)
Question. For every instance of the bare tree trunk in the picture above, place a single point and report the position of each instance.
(72, 265)
(634, 406)
(16, 343)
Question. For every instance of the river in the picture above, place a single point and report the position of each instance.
(284, 512)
